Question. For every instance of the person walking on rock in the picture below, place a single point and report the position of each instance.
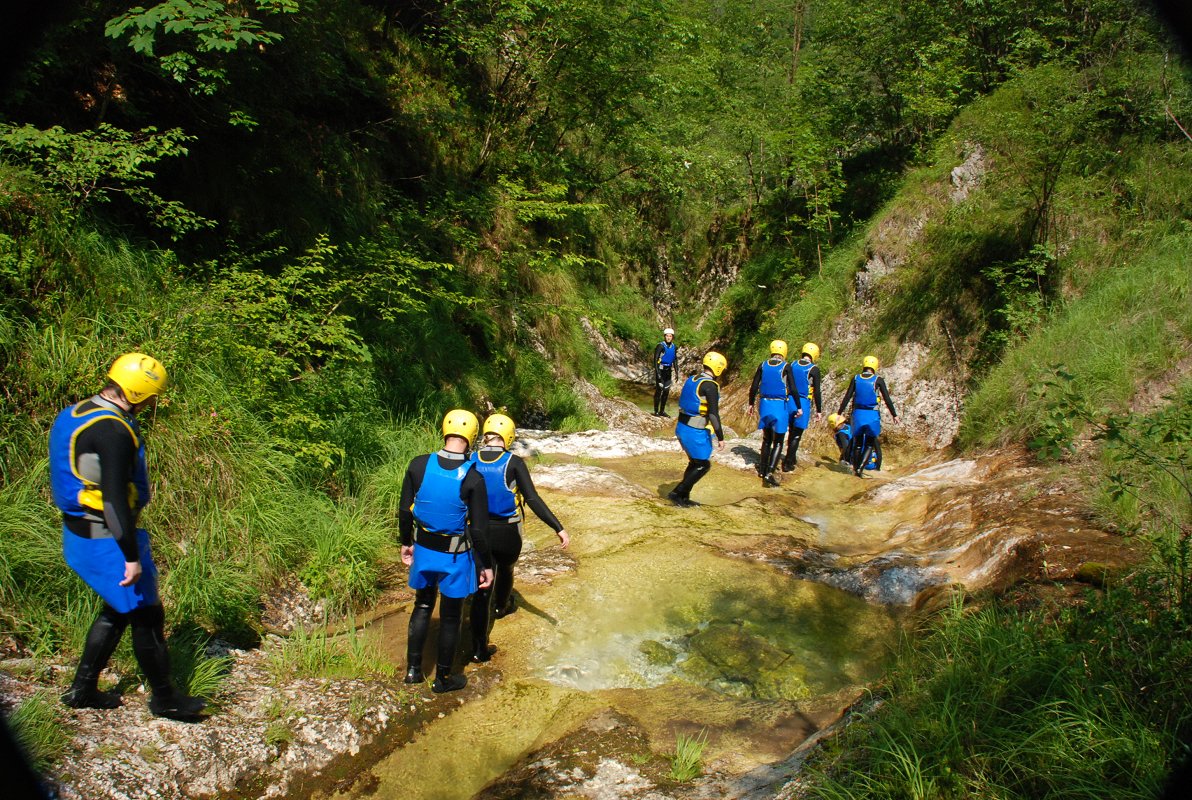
(664, 361)
(510, 488)
(100, 483)
(807, 390)
(443, 520)
(864, 390)
(699, 418)
(775, 385)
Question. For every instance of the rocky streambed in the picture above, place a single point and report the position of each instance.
(751, 621)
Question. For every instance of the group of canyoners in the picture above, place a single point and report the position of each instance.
(460, 517)
(781, 395)
(460, 525)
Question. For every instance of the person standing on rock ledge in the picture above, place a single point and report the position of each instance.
(776, 385)
(863, 391)
(443, 520)
(699, 418)
(510, 489)
(100, 483)
(664, 361)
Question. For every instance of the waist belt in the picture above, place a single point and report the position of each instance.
(516, 518)
(441, 542)
(86, 527)
(776, 397)
(867, 408)
(694, 421)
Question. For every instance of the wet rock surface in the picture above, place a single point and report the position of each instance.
(743, 617)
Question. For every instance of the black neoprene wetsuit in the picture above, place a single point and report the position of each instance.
(505, 538)
(796, 433)
(771, 450)
(471, 491)
(113, 446)
(110, 442)
(662, 379)
(475, 496)
(879, 385)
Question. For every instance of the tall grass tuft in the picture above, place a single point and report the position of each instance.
(687, 762)
(316, 654)
(38, 726)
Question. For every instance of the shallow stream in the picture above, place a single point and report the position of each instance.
(753, 619)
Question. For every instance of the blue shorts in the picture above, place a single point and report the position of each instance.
(100, 563)
(772, 414)
(866, 421)
(800, 421)
(453, 573)
(696, 442)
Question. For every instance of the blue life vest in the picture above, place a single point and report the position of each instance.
(75, 494)
(437, 505)
(773, 383)
(502, 499)
(690, 401)
(802, 375)
(668, 354)
(846, 430)
(865, 396)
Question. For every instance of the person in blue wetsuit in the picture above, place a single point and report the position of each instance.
(664, 362)
(510, 489)
(699, 418)
(100, 483)
(773, 384)
(807, 391)
(443, 519)
(864, 391)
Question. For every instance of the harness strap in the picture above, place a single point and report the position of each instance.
(441, 542)
(86, 527)
(697, 421)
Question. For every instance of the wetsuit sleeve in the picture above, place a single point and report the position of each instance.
(814, 376)
(475, 495)
(117, 452)
(521, 479)
(880, 383)
(711, 394)
(658, 351)
(409, 487)
(788, 375)
(848, 395)
(753, 387)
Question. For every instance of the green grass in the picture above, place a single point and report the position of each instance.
(316, 654)
(38, 726)
(998, 703)
(1130, 327)
(687, 761)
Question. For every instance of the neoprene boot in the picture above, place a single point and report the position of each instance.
(445, 681)
(153, 657)
(771, 476)
(101, 642)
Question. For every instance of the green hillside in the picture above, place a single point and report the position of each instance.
(333, 220)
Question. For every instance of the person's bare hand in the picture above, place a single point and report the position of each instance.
(132, 573)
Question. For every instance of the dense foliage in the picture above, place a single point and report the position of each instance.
(333, 219)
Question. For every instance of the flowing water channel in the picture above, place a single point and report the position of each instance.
(754, 618)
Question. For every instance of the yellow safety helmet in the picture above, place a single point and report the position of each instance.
(139, 376)
(715, 362)
(778, 347)
(502, 426)
(834, 420)
(870, 362)
(459, 422)
(811, 349)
